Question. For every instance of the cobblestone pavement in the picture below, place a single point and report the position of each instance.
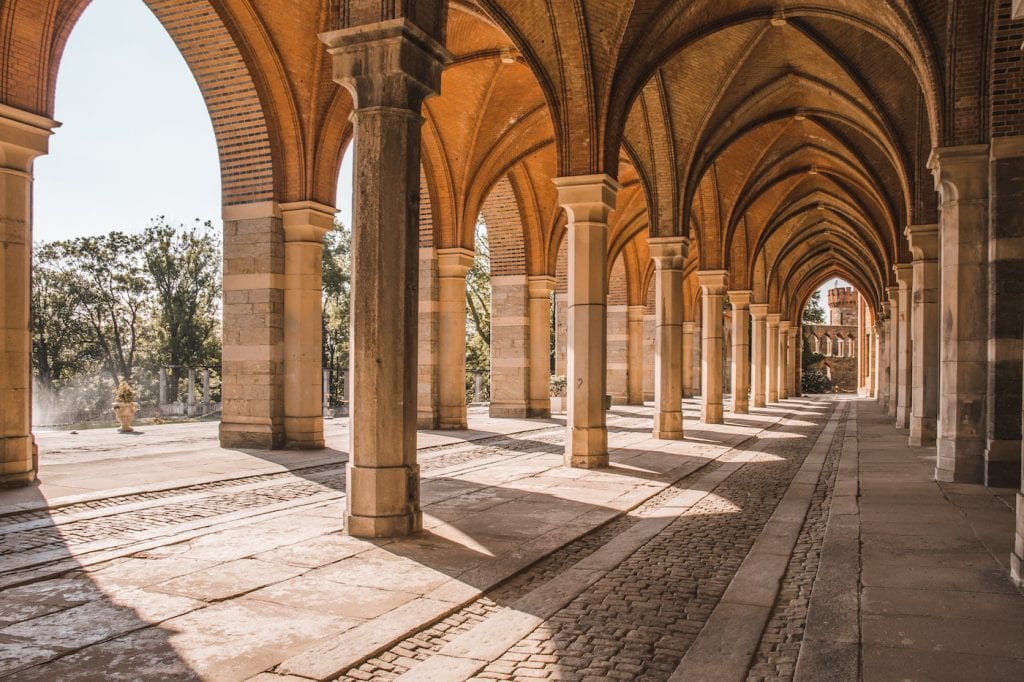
(36, 538)
(638, 620)
(780, 643)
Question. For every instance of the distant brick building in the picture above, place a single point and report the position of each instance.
(836, 341)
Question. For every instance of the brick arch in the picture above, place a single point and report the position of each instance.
(33, 35)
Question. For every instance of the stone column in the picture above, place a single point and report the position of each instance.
(904, 375)
(924, 245)
(161, 399)
(759, 357)
(1005, 313)
(561, 332)
(305, 224)
(252, 358)
(452, 266)
(712, 284)
(798, 371)
(635, 389)
(23, 138)
(190, 397)
(892, 355)
(510, 346)
(792, 368)
(740, 301)
(881, 380)
(689, 334)
(782, 367)
(427, 416)
(650, 327)
(587, 201)
(697, 368)
(961, 175)
(668, 254)
(541, 287)
(772, 352)
(617, 377)
(389, 68)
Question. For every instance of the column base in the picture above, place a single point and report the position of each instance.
(247, 436)
(383, 502)
(587, 448)
(304, 433)
(759, 402)
(509, 411)
(960, 460)
(741, 408)
(19, 461)
(668, 425)
(540, 410)
(1017, 556)
(452, 418)
(922, 432)
(427, 421)
(713, 414)
(1002, 464)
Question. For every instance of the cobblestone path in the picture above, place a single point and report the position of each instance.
(36, 538)
(637, 621)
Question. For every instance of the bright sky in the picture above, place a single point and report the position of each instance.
(831, 284)
(136, 141)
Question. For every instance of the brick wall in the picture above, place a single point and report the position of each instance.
(1007, 90)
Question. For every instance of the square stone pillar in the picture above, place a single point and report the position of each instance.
(961, 177)
(305, 224)
(617, 378)
(1005, 312)
(587, 201)
(798, 370)
(510, 347)
(669, 255)
(452, 266)
(740, 301)
(635, 389)
(427, 416)
(650, 335)
(904, 361)
(758, 348)
(772, 352)
(23, 138)
(792, 368)
(712, 284)
(880, 355)
(782, 366)
(892, 355)
(561, 332)
(690, 336)
(540, 288)
(924, 330)
(252, 359)
(389, 68)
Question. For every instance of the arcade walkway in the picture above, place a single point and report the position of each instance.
(804, 540)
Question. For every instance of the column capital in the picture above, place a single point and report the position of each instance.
(587, 198)
(965, 167)
(540, 286)
(740, 299)
(773, 319)
(885, 308)
(924, 241)
(454, 262)
(23, 137)
(758, 311)
(904, 274)
(793, 330)
(307, 221)
(784, 325)
(392, 64)
(669, 253)
(713, 281)
(893, 294)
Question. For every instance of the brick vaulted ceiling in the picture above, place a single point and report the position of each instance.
(788, 139)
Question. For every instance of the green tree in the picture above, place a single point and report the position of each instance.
(337, 268)
(108, 295)
(813, 312)
(183, 266)
(478, 313)
(61, 348)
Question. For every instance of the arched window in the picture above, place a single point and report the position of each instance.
(851, 347)
(828, 345)
(839, 346)
(817, 343)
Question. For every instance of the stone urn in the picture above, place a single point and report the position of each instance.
(125, 413)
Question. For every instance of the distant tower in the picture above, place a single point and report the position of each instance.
(842, 304)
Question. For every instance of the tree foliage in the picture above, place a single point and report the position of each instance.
(478, 315)
(337, 268)
(813, 312)
(183, 265)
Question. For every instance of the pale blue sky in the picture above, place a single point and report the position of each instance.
(136, 140)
